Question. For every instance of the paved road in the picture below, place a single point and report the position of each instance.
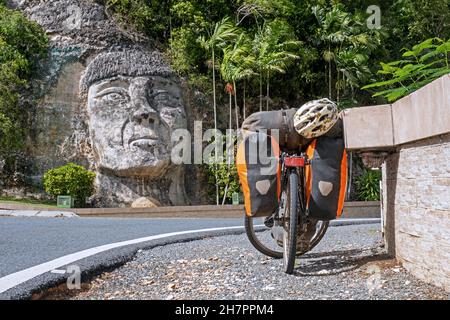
(28, 242)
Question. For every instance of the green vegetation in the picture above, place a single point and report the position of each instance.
(297, 50)
(22, 43)
(421, 65)
(70, 180)
(368, 185)
(254, 55)
(149, 16)
(227, 180)
(33, 202)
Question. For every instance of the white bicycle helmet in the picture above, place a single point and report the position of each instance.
(315, 118)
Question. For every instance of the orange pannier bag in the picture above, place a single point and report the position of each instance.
(326, 178)
(258, 166)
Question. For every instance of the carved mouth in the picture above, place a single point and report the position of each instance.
(144, 142)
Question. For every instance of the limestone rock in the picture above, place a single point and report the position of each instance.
(144, 202)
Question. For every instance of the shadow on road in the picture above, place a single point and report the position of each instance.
(335, 262)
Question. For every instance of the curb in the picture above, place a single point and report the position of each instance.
(351, 210)
(354, 221)
(37, 214)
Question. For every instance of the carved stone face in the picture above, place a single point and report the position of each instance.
(130, 123)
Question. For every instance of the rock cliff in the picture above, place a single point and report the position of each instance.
(106, 99)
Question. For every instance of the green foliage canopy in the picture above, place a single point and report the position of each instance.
(424, 63)
(22, 43)
(337, 47)
(330, 49)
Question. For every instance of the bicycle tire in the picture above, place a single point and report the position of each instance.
(290, 231)
(258, 245)
(250, 231)
(321, 234)
(315, 241)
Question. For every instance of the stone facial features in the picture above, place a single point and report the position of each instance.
(131, 114)
(106, 100)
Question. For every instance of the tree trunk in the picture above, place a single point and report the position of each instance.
(236, 107)
(243, 101)
(329, 73)
(337, 85)
(215, 126)
(231, 110)
(267, 92)
(260, 91)
(231, 127)
(225, 194)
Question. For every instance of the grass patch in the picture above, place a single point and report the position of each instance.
(34, 202)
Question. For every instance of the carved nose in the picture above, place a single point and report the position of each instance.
(145, 113)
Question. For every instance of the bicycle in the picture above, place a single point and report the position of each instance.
(291, 219)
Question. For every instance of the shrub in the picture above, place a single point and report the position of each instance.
(72, 180)
(227, 179)
(368, 186)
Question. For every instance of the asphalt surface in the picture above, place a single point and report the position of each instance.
(27, 242)
(349, 263)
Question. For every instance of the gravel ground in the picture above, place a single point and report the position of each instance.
(348, 264)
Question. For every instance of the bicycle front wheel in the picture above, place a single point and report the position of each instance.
(290, 224)
(264, 245)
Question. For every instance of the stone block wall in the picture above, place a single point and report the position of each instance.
(416, 208)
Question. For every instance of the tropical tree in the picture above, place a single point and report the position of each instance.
(237, 65)
(264, 10)
(274, 49)
(351, 70)
(223, 32)
(348, 44)
(227, 71)
(333, 31)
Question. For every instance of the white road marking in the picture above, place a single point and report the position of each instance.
(14, 279)
(56, 271)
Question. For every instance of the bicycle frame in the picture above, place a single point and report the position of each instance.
(289, 163)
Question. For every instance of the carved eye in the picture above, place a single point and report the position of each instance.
(113, 95)
(163, 96)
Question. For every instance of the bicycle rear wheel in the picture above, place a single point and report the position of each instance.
(290, 224)
(321, 230)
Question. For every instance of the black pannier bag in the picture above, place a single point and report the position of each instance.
(259, 173)
(282, 120)
(326, 178)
